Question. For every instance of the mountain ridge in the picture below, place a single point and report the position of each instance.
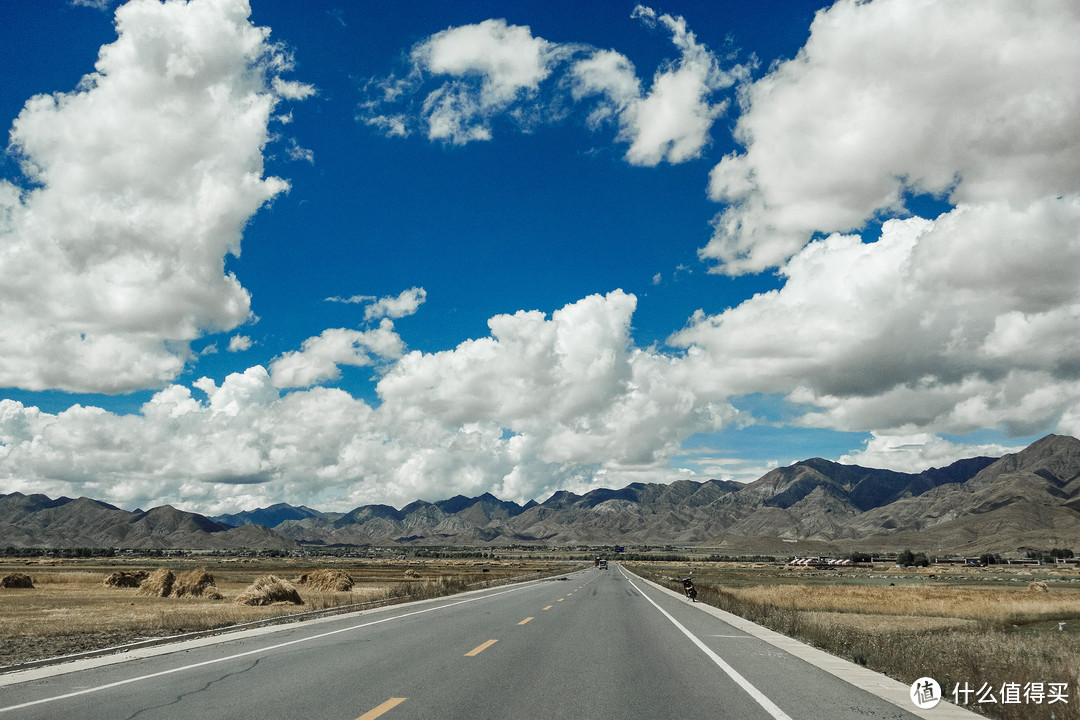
(973, 505)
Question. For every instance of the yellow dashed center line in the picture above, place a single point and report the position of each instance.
(549, 607)
(560, 599)
(376, 712)
(480, 648)
(525, 621)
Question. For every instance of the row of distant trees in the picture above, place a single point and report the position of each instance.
(95, 552)
(912, 559)
(81, 552)
(1051, 555)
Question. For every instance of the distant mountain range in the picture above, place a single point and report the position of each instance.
(1028, 499)
(37, 521)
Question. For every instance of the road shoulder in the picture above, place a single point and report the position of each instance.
(884, 687)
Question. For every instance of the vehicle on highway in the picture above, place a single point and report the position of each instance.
(689, 589)
(603, 564)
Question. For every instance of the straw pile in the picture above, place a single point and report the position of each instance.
(196, 583)
(16, 580)
(268, 590)
(126, 578)
(1039, 587)
(158, 583)
(412, 574)
(326, 580)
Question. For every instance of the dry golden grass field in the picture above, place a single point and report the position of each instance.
(70, 609)
(994, 625)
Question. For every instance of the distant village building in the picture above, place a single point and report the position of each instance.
(821, 562)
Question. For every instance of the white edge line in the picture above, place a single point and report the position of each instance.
(268, 649)
(875, 683)
(759, 697)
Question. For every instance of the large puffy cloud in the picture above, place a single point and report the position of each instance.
(945, 324)
(573, 384)
(496, 69)
(544, 403)
(978, 101)
(244, 441)
(951, 325)
(141, 181)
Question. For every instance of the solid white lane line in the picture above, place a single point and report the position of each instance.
(768, 705)
(271, 648)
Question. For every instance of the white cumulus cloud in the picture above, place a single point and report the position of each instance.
(239, 343)
(319, 358)
(546, 402)
(670, 122)
(495, 63)
(977, 101)
(139, 182)
(936, 327)
(945, 324)
(402, 305)
(918, 452)
(496, 69)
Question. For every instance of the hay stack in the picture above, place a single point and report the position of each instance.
(412, 574)
(326, 580)
(126, 578)
(268, 590)
(158, 584)
(196, 583)
(1038, 587)
(16, 580)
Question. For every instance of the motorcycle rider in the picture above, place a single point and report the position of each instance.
(689, 589)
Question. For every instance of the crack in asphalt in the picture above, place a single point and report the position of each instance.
(209, 684)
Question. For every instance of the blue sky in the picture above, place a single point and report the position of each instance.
(379, 252)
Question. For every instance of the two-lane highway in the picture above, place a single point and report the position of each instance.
(599, 644)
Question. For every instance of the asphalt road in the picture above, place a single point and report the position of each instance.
(599, 644)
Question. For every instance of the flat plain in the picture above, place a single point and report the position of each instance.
(70, 609)
(963, 626)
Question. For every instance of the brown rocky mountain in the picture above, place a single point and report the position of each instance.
(1031, 498)
(38, 521)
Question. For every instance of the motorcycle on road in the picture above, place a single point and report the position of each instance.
(689, 589)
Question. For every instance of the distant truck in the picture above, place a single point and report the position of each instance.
(603, 564)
